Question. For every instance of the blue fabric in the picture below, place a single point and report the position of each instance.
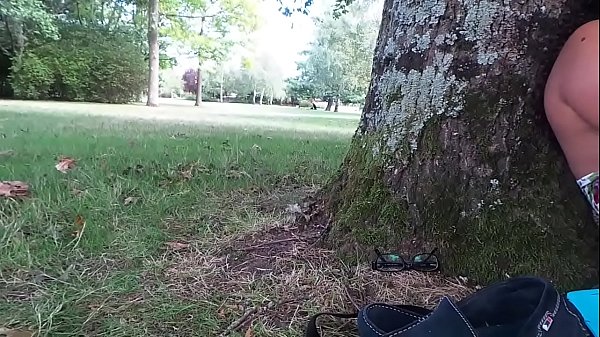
(586, 302)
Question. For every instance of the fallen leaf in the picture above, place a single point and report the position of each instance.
(221, 313)
(65, 164)
(13, 189)
(79, 224)
(130, 200)
(249, 332)
(175, 245)
(16, 332)
(257, 147)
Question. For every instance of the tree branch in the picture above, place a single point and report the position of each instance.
(189, 16)
(10, 35)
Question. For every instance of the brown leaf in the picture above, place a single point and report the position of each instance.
(13, 189)
(175, 245)
(16, 332)
(65, 164)
(79, 224)
(249, 332)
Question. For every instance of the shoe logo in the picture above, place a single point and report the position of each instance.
(547, 321)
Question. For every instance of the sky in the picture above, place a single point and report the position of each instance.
(283, 37)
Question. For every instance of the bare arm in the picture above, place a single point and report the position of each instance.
(577, 67)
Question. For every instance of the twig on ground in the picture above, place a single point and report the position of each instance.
(320, 238)
(239, 322)
(270, 243)
(78, 238)
(350, 297)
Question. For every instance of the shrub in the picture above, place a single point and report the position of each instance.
(304, 104)
(86, 64)
(31, 76)
(190, 81)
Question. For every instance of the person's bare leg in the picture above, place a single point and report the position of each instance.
(571, 104)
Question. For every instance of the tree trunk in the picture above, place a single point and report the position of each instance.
(271, 97)
(221, 88)
(153, 67)
(329, 104)
(262, 95)
(254, 96)
(337, 104)
(16, 37)
(199, 87)
(453, 149)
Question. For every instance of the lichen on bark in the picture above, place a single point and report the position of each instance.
(453, 149)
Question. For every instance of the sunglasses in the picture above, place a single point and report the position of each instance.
(425, 262)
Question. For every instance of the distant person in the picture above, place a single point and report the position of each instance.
(313, 105)
(571, 104)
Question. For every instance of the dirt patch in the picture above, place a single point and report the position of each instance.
(281, 276)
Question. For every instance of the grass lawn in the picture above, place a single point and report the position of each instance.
(172, 229)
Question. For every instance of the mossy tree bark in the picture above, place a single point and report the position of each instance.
(454, 151)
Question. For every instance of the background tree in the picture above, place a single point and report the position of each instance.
(190, 81)
(208, 28)
(28, 27)
(153, 63)
(453, 149)
(20, 22)
(337, 64)
(31, 50)
(239, 81)
(38, 65)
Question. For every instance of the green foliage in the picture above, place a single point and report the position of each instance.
(32, 13)
(33, 76)
(299, 88)
(339, 62)
(304, 104)
(85, 65)
(238, 81)
(204, 26)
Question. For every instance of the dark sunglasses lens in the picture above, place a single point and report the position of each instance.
(389, 263)
(425, 262)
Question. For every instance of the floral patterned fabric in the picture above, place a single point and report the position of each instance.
(589, 187)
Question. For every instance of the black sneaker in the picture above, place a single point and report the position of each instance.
(517, 307)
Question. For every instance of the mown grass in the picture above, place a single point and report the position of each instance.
(166, 229)
(138, 187)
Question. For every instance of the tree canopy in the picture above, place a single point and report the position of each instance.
(48, 51)
(338, 63)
